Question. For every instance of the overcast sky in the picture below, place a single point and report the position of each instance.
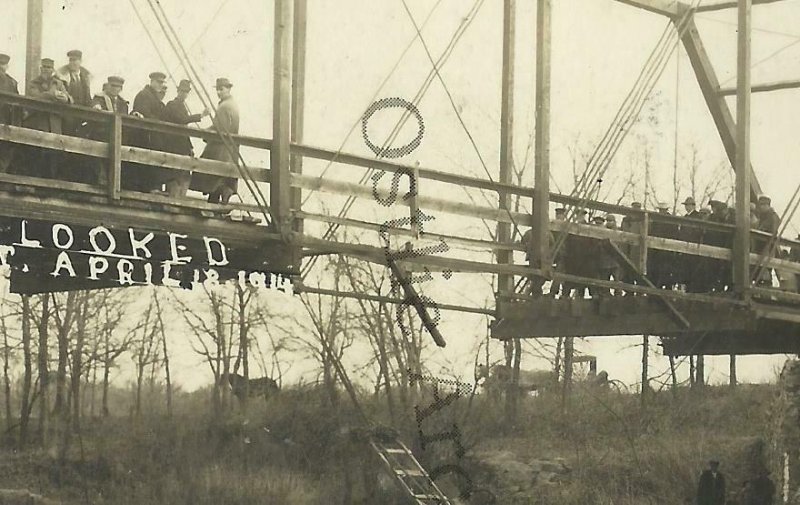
(599, 47)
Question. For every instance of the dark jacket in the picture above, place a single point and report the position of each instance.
(148, 104)
(176, 112)
(80, 90)
(52, 89)
(104, 102)
(711, 490)
(769, 221)
(759, 491)
(8, 85)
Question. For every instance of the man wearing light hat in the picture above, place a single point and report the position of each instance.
(177, 112)
(7, 114)
(147, 104)
(220, 189)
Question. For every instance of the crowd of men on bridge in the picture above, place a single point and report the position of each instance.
(593, 258)
(71, 84)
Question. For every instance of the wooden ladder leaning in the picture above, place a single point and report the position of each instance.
(406, 470)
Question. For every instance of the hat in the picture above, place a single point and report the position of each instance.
(158, 76)
(662, 205)
(75, 53)
(223, 82)
(689, 201)
(185, 85)
(48, 63)
(636, 205)
(611, 217)
(764, 199)
(716, 203)
(116, 81)
(598, 219)
(4, 58)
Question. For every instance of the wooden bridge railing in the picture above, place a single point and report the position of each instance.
(115, 152)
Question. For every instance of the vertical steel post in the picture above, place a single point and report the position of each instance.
(741, 247)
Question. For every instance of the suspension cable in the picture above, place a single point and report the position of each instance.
(205, 97)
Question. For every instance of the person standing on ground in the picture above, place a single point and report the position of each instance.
(711, 487)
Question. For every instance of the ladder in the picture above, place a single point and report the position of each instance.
(406, 471)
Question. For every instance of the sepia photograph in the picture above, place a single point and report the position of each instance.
(399, 252)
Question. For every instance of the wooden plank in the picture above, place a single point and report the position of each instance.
(758, 88)
(717, 106)
(506, 282)
(115, 159)
(621, 316)
(741, 243)
(451, 240)
(301, 288)
(729, 5)
(541, 183)
(279, 189)
(670, 8)
(36, 182)
(185, 163)
(428, 204)
(48, 140)
(58, 209)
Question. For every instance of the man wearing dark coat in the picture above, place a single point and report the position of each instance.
(177, 112)
(78, 82)
(45, 87)
(110, 101)
(711, 488)
(220, 189)
(768, 222)
(692, 269)
(147, 104)
(662, 265)
(7, 114)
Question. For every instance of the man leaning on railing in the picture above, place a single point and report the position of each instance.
(46, 86)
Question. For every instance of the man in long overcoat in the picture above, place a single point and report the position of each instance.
(7, 114)
(45, 87)
(177, 112)
(147, 104)
(110, 101)
(226, 121)
(711, 488)
(77, 79)
(769, 222)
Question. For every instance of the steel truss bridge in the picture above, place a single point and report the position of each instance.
(746, 320)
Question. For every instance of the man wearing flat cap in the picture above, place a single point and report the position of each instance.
(177, 112)
(77, 78)
(662, 266)
(226, 121)
(691, 268)
(45, 87)
(8, 114)
(711, 487)
(147, 104)
(109, 100)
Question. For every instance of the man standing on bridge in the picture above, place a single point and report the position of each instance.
(45, 87)
(177, 112)
(226, 122)
(7, 85)
(148, 105)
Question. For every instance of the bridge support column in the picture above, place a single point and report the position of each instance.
(541, 188)
(279, 188)
(741, 249)
(33, 55)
